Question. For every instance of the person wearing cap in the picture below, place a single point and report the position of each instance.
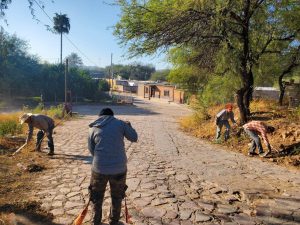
(222, 120)
(106, 145)
(255, 129)
(46, 126)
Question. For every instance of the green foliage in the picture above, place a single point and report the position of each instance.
(53, 111)
(3, 6)
(161, 75)
(135, 71)
(189, 78)
(39, 108)
(61, 23)
(187, 74)
(74, 60)
(220, 37)
(103, 85)
(10, 127)
(219, 90)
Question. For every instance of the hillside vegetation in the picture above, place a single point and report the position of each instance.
(285, 139)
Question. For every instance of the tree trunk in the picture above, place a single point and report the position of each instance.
(243, 94)
(248, 93)
(61, 49)
(282, 89)
(240, 102)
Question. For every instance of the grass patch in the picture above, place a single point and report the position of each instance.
(53, 111)
(9, 125)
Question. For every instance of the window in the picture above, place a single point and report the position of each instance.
(166, 93)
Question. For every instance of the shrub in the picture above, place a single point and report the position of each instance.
(53, 111)
(10, 127)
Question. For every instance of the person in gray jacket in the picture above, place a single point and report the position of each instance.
(222, 120)
(106, 145)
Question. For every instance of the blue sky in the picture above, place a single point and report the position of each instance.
(91, 31)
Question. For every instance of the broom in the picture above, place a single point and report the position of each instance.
(127, 216)
(79, 219)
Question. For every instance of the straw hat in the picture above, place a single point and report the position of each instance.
(25, 117)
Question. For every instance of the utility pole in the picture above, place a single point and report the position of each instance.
(111, 66)
(111, 71)
(66, 72)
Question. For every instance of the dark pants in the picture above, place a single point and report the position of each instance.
(220, 124)
(255, 141)
(39, 138)
(97, 190)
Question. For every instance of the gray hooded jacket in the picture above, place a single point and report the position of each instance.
(106, 144)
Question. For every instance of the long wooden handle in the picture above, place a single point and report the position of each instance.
(19, 149)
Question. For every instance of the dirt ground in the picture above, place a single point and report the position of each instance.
(16, 181)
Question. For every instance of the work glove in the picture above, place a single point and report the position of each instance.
(128, 123)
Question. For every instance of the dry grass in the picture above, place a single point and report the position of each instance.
(15, 182)
(286, 122)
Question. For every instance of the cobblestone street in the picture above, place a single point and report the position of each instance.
(173, 178)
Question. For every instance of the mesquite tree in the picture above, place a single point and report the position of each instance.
(234, 34)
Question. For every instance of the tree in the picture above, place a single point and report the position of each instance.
(233, 35)
(292, 63)
(3, 6)
(61, 25)
(74, 60)
(135, 71)
(161, 75)
(103, 85)
(189, 71)
(18, 69)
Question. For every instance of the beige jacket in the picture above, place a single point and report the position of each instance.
(41, 122)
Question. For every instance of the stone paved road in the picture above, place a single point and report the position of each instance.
(173, 178)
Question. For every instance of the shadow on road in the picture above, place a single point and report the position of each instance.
(94, 109)
(26, 213)
(85, 159)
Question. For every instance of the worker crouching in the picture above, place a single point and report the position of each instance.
(254, 129)
(45, 125)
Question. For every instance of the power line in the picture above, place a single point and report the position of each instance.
(72, 43)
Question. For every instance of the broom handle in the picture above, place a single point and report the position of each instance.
(126, 212)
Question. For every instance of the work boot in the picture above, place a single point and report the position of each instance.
(251, 154)
(51, 152)
(264, 154)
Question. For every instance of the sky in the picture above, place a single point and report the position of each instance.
(91, 32)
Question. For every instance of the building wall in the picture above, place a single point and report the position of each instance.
(179, 96)
(140, 90)
(166, 92)
(160, 91)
